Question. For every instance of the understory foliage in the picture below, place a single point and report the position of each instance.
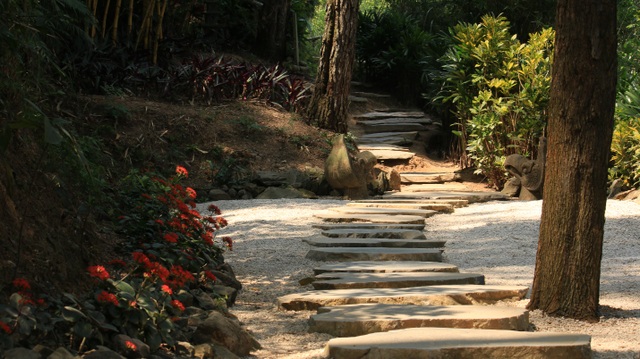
(498, 89)
(625, 146)
(170, 249)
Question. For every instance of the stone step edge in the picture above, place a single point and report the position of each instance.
(461, 343)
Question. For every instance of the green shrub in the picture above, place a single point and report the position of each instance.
(498, 89)
(625, 152)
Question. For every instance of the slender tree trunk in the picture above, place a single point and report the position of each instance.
(583, 89)
(271, 39)
(329, 104)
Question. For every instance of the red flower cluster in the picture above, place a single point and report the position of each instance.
(210, 275)
(181, 171)
(106, 298)
(177, 304)
(191, 193)
(130, 345)
(5, 327)
(21, 284)
(98, 272)
(180, 277)
(165, 288)
(171, 237)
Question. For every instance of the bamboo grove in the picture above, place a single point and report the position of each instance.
(139, 23)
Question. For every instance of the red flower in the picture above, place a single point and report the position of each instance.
(106, 297)
(130, 345)
(171, 237)
(98, 272)
(139, 257)
(221, 221)
(191, 193)
(5, 327)
(229, 242)
(21, 284)
(177, 304)
(213, 208)
(157, 269)
(181, 171)
(160, 222)
(165, 288)
(208, 238)
(210, 275)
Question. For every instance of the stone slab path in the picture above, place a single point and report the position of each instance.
(360, 319)
(357, 226)
(374, 254)
(373, 242)
(426, 213)
(460, 343)
(385, 267)
(463, 294)
(347, 280)
(373, 218)
(359, 232)
(442, 207)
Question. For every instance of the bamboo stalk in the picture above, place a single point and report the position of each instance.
(130, 20)
(159, 30)
(144, 27)
(116, 19)
(104, 18)
(94, 7)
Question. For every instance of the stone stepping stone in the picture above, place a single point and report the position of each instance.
(376, 226)
(373, 218)
(388, 137)
(386, 267)
(463, 294)
(470, 196)
(440, 207)
(381, 146)
(389, 114)
(373, 242)
(388, 211)
(394, 120)
(428, 177)
(361, 319)
(456, 203)
(341, 254)
(348, 280)
(461, 343)
(392, 127)
(392, 154)
(433, 187)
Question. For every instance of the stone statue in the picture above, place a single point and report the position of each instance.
(528, 173)
(349, 171)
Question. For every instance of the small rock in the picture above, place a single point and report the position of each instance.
(233, 193)
(511, 187)
(122, 344)
(206, 302)
(218, 194)
(279, 192)
(227, 293)
(185, 298)
(61, 353)
(21, 353)
(185, 349)
(102, 353)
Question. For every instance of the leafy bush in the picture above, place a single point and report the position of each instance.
(625, 152)
(171, 248)
(498, 89)
(214, 78)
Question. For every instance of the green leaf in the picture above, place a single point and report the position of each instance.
(125, 287)
(83, 329)
(72, 314)
(51, 134)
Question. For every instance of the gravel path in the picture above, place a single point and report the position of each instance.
(498, 239)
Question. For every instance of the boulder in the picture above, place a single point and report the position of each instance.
(217, 328)
(286, 192)
(21, 353)
(218, 194)
(349, 171)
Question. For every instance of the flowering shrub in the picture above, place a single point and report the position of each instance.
(172, 248)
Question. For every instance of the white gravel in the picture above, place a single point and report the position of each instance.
(498, 239)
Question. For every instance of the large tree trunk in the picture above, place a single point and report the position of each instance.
(271, 39)
(583, 89)
(329, 104)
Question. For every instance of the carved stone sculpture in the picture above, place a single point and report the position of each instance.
(349, 172)
(530, 173)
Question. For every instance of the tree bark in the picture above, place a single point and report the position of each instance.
(329, 103)
(583, 88)
(271, 38)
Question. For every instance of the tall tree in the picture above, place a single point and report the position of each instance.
(329, 104)
(583, 89)
(271, 39)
